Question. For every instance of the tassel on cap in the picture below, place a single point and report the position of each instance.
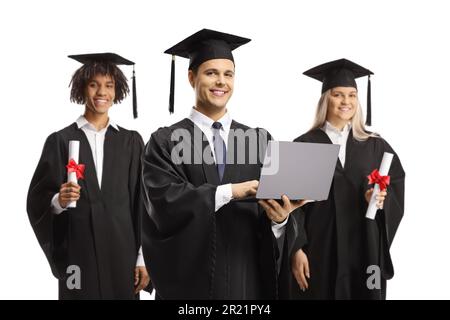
(135, 114)
(172, 86)
(369, 104)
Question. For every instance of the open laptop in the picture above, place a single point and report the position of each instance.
(299, 170)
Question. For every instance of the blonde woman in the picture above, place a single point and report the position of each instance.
(345, 255)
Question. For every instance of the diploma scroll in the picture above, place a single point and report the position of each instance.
(384, 170)
(74, 149)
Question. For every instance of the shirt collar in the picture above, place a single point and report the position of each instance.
(205, 121)
(82, 122)
(328, 127)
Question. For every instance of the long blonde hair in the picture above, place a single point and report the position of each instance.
(359, 130)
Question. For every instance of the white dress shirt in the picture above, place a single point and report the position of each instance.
(223, 192)
(96, 139)
(338, 137)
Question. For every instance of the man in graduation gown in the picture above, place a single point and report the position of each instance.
(345, 255)
(92, 248)
(201, 241)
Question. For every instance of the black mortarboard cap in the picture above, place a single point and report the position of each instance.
(202, 46)
(342, 73)
(111, 58)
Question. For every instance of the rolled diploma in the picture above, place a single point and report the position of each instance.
(74, 149)
(384, 170)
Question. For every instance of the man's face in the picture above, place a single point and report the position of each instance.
(213, 83)
(100, 93)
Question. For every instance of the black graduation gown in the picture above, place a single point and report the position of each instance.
(340, 242)
(102, 234)
(192, 251)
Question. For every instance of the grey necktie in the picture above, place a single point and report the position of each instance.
(220, 149)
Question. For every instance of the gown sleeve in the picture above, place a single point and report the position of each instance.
(50, 229)
(174, 200)
(294, 239)
(178, 229)
(301, 238)
(389, 218)
(136, 188)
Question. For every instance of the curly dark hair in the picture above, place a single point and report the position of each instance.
(85, 73)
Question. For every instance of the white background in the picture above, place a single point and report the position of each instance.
(405, 43)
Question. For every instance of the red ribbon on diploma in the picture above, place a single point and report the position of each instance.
(382, 181)
(77, 168)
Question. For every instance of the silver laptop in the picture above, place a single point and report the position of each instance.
(299, 170)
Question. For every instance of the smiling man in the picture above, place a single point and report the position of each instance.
(92, 248)
(203, 240)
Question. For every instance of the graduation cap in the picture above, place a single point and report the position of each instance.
(111, 58)
(342, 73)
(202, 46)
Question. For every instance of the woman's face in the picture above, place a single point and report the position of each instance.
(100, 93)
(342, 105)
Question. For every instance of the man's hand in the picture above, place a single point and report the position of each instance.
(278, 213)
(141, 279)
(300, 269)
(244, 189)
(68, 192)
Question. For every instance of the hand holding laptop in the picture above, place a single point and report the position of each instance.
(275, 209)
(279, 212)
